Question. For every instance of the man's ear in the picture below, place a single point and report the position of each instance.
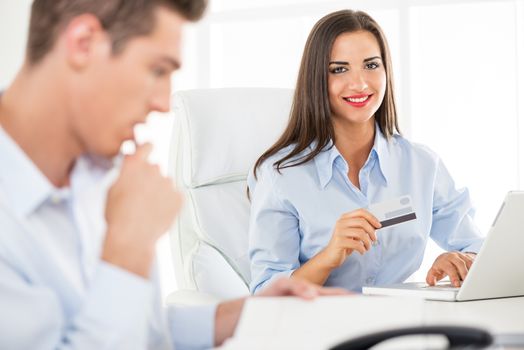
(84, 39)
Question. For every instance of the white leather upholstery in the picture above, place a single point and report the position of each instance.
(218, 135)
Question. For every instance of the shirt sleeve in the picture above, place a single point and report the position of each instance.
(453, 227)
(114, 313)
(274, 238)
(192, 327)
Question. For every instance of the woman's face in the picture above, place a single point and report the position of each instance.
(356, 77)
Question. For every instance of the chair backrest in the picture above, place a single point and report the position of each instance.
(218, 136)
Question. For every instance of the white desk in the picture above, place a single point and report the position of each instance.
(290, 323)
(496, 315)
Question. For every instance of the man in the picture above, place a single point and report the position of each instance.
(79, 222)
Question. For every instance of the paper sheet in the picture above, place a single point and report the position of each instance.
(292, 323)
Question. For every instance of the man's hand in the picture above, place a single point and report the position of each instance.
(228, 313)
(453, 264)
(141, 206)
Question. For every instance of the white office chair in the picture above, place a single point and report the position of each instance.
(218, 136)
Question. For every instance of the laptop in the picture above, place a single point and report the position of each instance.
(498, 270)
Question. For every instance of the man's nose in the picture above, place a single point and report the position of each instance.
(161, 100)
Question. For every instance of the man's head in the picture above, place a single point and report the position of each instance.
(111, 61)
(122, 19)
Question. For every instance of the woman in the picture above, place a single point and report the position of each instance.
(342, 152)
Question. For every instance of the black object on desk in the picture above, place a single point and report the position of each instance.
(457, 337)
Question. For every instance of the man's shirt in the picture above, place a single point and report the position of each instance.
(293, 213)
(55, 291)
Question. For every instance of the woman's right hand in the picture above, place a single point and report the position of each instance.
(353, 231)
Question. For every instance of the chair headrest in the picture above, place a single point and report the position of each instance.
(224, 131)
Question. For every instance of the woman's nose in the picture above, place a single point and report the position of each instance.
(357, 81)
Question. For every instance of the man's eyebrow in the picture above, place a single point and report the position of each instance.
(174, 63)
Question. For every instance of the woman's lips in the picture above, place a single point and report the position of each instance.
(358, 101)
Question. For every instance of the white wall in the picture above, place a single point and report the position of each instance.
(14, 22)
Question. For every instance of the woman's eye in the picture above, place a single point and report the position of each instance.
(338, 70)
(372, 65)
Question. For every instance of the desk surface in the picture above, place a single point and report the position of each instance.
(497, 315)
(280, 323)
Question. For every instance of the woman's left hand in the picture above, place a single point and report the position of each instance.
(453, 264)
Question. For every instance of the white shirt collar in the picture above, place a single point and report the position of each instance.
(26, 187)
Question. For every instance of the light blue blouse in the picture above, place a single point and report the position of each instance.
(293, 213)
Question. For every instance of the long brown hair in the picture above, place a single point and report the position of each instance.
(310, 116)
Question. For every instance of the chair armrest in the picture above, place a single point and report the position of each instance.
(191, 297)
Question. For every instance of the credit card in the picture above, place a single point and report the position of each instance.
(394, 212)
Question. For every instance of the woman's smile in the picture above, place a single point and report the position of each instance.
(358, 101)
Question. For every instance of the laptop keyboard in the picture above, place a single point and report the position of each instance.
(447, 286)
